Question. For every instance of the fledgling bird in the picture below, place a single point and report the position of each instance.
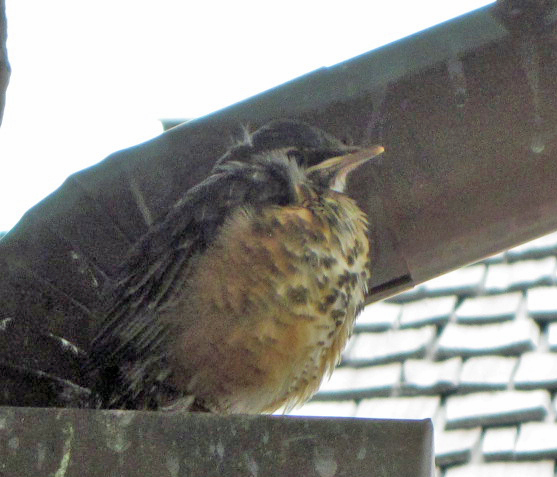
(242, 299)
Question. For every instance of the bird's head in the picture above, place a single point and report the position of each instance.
(297, 154)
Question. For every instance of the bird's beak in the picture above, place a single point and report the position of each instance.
(337, 168)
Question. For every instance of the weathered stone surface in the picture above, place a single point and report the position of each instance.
(83, 443)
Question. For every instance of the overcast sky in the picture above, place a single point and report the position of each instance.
(89, 78)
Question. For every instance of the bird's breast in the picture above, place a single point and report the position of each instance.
(271, 305)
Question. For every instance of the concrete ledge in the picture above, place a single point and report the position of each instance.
(75, 442)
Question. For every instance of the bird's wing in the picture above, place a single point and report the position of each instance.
(128, 354)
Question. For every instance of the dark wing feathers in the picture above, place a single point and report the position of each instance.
(128, 362)
(130, 344)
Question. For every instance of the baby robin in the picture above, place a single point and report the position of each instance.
(243, 297)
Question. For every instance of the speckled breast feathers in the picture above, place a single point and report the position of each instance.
(284, 285)
(243, 297)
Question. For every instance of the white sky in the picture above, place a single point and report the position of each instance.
(89, 78)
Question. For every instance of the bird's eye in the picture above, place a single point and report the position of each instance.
(298, 156)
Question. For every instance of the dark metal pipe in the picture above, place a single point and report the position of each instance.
(4, 63)
(467, 112)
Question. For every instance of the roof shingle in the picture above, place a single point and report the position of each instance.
(476, 350)
(496, 408)
(509, 338)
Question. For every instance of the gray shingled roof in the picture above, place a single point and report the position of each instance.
(476, 351)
